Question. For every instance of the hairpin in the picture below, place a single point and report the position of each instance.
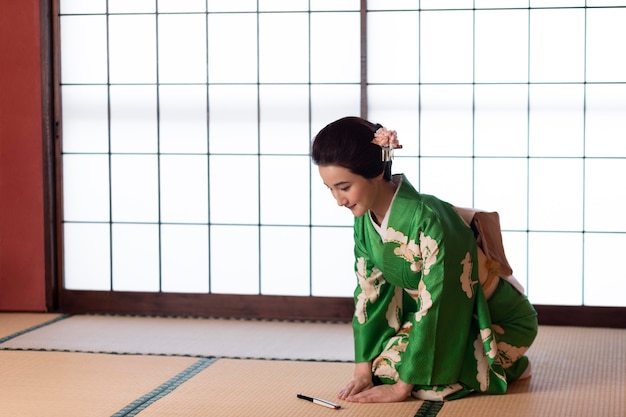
(388, 141)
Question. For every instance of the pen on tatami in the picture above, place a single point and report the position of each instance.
(319, 401)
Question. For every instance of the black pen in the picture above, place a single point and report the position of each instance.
(319, 401)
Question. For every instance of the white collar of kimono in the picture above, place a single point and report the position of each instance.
(383, 225)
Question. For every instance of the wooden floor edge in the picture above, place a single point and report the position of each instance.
(582, 316)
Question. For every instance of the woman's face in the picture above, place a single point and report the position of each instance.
(352, 191)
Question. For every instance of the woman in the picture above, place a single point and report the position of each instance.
(436, 315)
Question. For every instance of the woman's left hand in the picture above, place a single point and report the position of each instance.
(387, 393)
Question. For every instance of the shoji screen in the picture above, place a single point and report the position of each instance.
(187, 124)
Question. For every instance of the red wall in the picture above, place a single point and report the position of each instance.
(22, 259)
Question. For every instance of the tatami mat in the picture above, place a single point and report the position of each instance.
(58, 384)
(13, 323)
(245, 388)
(192, 336)
(577, 372)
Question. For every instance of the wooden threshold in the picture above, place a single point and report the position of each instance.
(208, 305)
(339, 309)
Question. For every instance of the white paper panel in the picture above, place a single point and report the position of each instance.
(333, 4)
(133, 118)
(499, 4)
(393, 47)
(446, 122)
(185, 258)
(235, 259)
(232, 48)
(183, 119)
(82, 6)
(84, 52)
(135, 6)
(555, 194)
(178, 6)
(392, 5)
(132, 48)
(446, 4)
(332, 262)
(446, 46)
(501, 120)
(605, 195)
(184, 189)
(284, 125)
(555, 268)
(501, 46)
(500, 184)
(335, 47)
(283, 47)
(557, 55)
(558, 3)
(85, 118)
(449, 179)
(182, 48)
(134, 185)
(233, 119)
(285, 256)
(556, 120)
(136, 257)
(86, 188)
(605, 121)
(283, 5)
(594, 3)
(234, 189)
(604, 255)
(605, 37)
(232, 6)
(284, 195)
(86, 256)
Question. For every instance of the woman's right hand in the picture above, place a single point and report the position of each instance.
(361, 381)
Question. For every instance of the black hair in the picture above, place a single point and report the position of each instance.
(347, 143)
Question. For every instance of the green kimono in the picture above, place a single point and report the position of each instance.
(420, 313)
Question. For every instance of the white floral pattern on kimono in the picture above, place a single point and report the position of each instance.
(466, 277)
(370, 289)
(420, 257)
(483, 362)
(422, 298)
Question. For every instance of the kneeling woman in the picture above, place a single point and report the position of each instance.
(438, 314)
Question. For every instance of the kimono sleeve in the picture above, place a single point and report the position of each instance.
(377, 303)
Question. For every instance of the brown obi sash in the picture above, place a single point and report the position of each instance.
(492, 262)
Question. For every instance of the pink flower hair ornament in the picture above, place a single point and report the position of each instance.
(388, 141)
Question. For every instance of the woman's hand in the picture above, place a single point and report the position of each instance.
(362, 380)
(387, 393)
(361, 389)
